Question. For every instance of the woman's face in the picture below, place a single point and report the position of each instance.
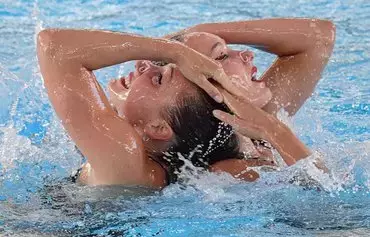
(141, 95)
(238, 65)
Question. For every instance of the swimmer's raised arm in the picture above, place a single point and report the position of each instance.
(95, 49)
(251, 121)
(303, 47)
(280, 36)
(112, 146)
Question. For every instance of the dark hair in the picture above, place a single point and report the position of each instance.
(199, 136)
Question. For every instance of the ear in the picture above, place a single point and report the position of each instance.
(158, 130)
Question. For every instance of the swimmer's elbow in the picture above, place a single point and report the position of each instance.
(43, 35)
(326, 33)
(330, 31)
(45, 45)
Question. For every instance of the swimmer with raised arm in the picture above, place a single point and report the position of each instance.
(303, 48)
(161, 110)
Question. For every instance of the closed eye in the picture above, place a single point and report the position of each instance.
(222, 57)
(159, 63)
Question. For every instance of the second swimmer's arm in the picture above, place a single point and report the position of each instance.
(286, 143)
(251, 121)
(280, 36)
(303, 47)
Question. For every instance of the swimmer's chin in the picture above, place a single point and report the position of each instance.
(116, 95)
(116, 89)
(119, 113)
(264, 99)
(115, 102)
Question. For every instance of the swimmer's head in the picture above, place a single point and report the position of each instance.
(238, 65)
(170, 112)
(142, 97)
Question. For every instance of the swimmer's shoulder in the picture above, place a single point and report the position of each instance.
(84, 174)
(155, 177)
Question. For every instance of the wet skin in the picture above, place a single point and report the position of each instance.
(140, 96)
(116, 148)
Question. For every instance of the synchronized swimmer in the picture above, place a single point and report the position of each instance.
(190, 94)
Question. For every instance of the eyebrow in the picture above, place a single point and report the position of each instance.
(214, 46)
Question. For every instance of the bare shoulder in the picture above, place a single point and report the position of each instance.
(155, 177)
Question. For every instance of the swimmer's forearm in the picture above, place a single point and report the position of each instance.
(95, 49)
(287, 144)
(283, 37)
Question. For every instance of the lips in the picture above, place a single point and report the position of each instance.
(126, 81)
(123, 82)
(254, 73)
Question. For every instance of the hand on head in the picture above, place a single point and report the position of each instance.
(199, 69)
(247, 119)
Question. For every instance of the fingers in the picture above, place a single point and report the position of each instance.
(232, 120)
(210, 89)
(247, 128)
(240, 105)
(236, 105)
(221, 77)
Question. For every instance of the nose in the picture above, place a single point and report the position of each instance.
(168, 71)
(142, 66)
(246, 56)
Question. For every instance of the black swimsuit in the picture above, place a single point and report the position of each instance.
(171, 172)
(74, 178)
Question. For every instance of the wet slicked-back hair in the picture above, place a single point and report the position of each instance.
(198, 136)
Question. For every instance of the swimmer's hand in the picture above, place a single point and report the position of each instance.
(199, 69)
(253, 122)
(247, 119)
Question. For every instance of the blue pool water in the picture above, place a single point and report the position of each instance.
(36, 156)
